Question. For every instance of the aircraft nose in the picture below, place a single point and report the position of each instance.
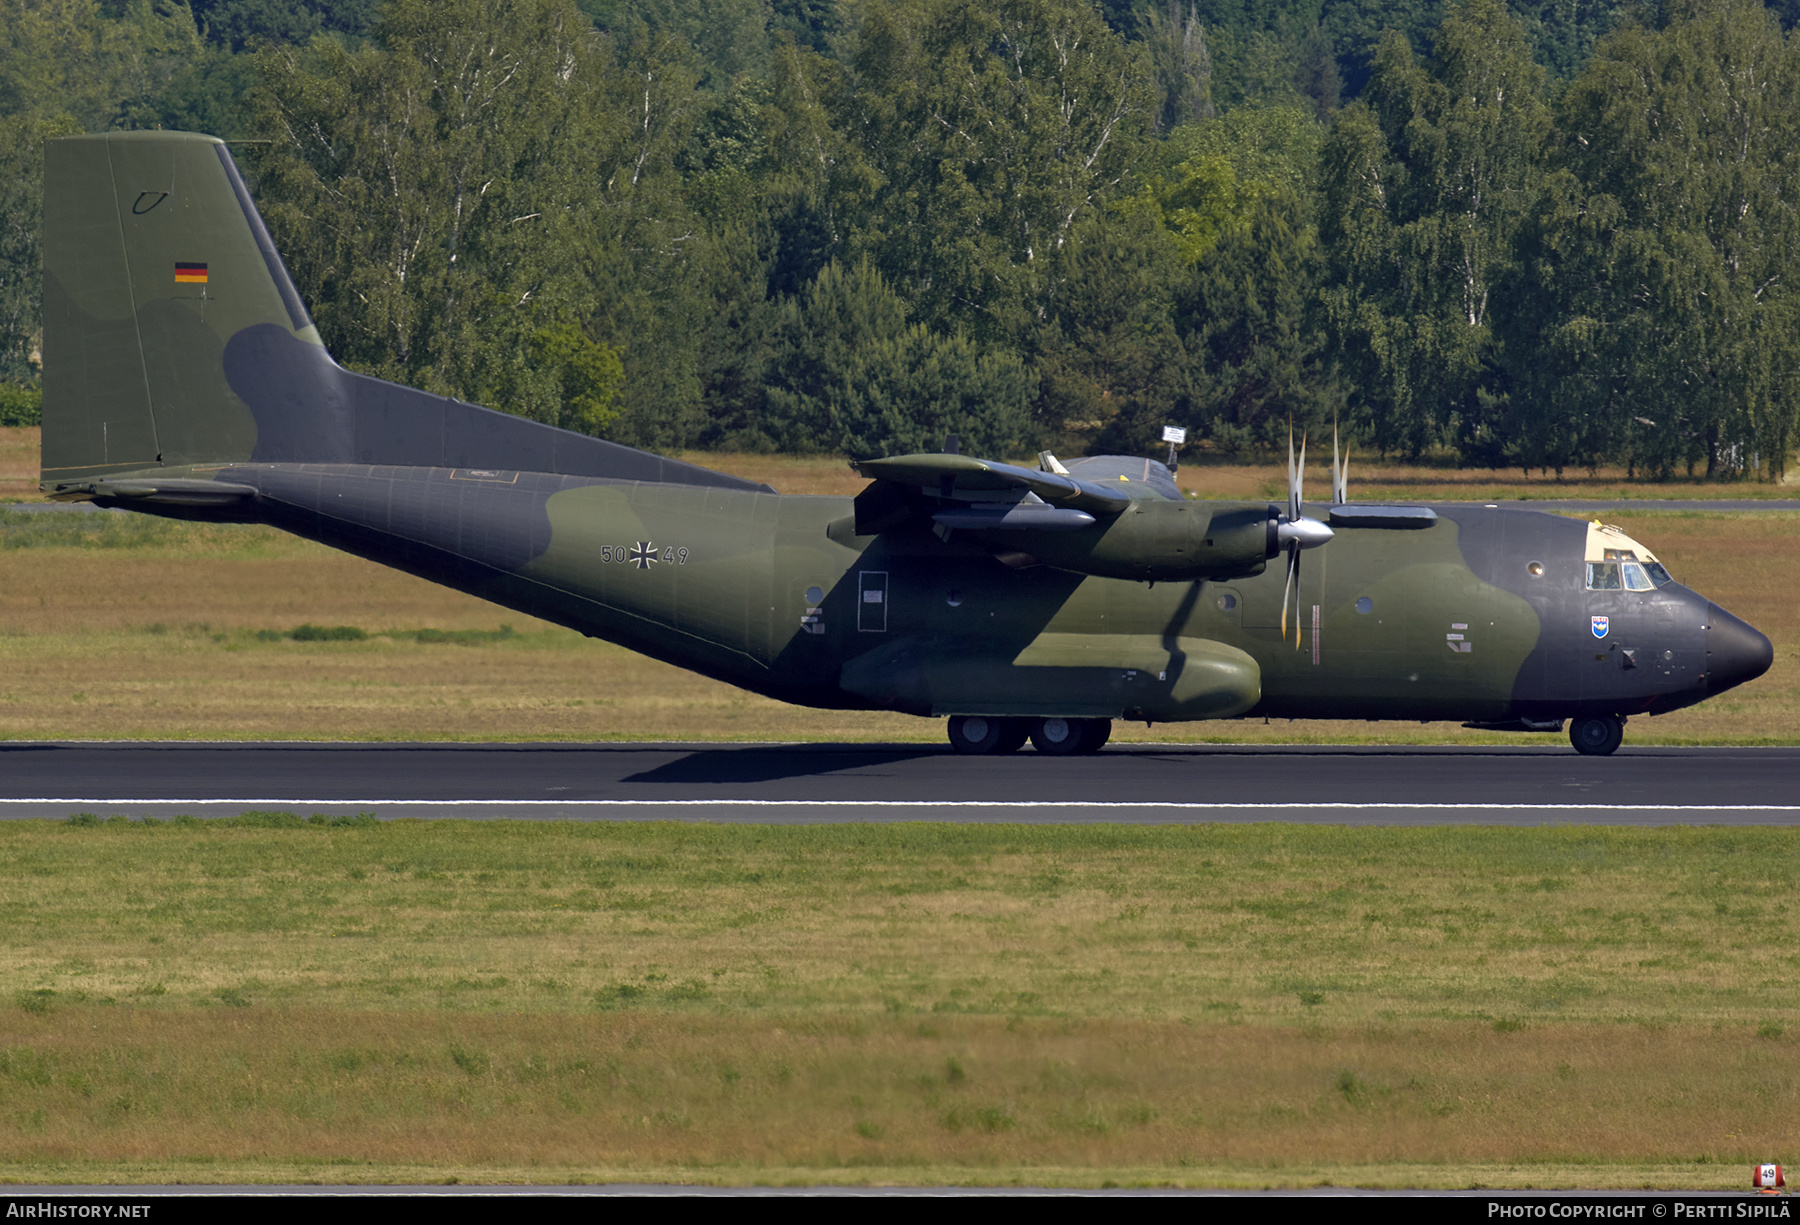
(1735, 650)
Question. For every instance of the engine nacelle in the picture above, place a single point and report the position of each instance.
(1158, 541)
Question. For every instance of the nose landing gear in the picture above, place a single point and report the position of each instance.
(1597, 736)
(982, 736)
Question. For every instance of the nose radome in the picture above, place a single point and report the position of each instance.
(1735, 650)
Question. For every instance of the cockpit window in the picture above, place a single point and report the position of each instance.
(1604, 576)
(1616, 562)
(1626, 576)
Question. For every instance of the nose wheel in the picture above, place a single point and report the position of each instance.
(1598, 736)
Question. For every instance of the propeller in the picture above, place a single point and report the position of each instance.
(1296, 532)
(1340, 473)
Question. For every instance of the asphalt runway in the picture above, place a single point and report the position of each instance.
(1533, 784)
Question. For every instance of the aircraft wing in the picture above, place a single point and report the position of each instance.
(980, 493)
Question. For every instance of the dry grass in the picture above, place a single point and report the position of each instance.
(1265, 925)
(729, 1100)
(183, 685)
(1700, 1174)
(18, 463)
(1066, 1005)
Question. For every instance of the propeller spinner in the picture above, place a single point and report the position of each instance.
(1296, 532)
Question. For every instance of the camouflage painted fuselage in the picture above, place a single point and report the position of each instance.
(1456, 626)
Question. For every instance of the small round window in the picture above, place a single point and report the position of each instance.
(815, 595)
(1535, 569)
(1365, 604)
(1227, 602)
(953, 597)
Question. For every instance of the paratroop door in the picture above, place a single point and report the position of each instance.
(872, 601)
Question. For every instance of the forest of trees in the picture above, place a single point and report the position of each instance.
(1554, 234)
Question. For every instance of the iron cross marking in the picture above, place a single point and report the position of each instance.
(644, 555)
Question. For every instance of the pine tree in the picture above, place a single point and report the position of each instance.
(851, 374)
(1257, 357)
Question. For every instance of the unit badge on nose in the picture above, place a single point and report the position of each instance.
(1600, 625)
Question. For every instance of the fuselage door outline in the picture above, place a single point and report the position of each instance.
(872, 601)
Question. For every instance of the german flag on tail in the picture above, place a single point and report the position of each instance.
(190, 274)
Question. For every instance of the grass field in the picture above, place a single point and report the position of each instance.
(270, 999)
(1210, 1005)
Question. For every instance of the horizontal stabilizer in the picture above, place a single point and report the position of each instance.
(157, 492)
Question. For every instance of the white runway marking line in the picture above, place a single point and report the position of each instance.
(1184, 805)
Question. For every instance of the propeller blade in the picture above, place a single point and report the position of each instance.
(1297, 531)
(1294, 575)
(1296, 474)
(1340, 473)
(1290, 470)
(1286, 584)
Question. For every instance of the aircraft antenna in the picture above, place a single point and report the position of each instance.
(1174, 435)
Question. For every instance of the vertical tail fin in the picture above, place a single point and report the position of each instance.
(153, 259)
(174, 339)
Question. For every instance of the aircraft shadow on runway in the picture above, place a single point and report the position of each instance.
(767, 764)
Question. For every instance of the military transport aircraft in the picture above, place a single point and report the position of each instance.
(183, 377)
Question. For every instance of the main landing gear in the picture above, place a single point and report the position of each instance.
(1597, 736)
(982, 736)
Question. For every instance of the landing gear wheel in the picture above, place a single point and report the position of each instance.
(1098, 733)
(981, 736)
(1598, 736)
(1068, 737)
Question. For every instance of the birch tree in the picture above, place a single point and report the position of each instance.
(994, 128)
(1426, 181)
(430, 189)
(1665, 322)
